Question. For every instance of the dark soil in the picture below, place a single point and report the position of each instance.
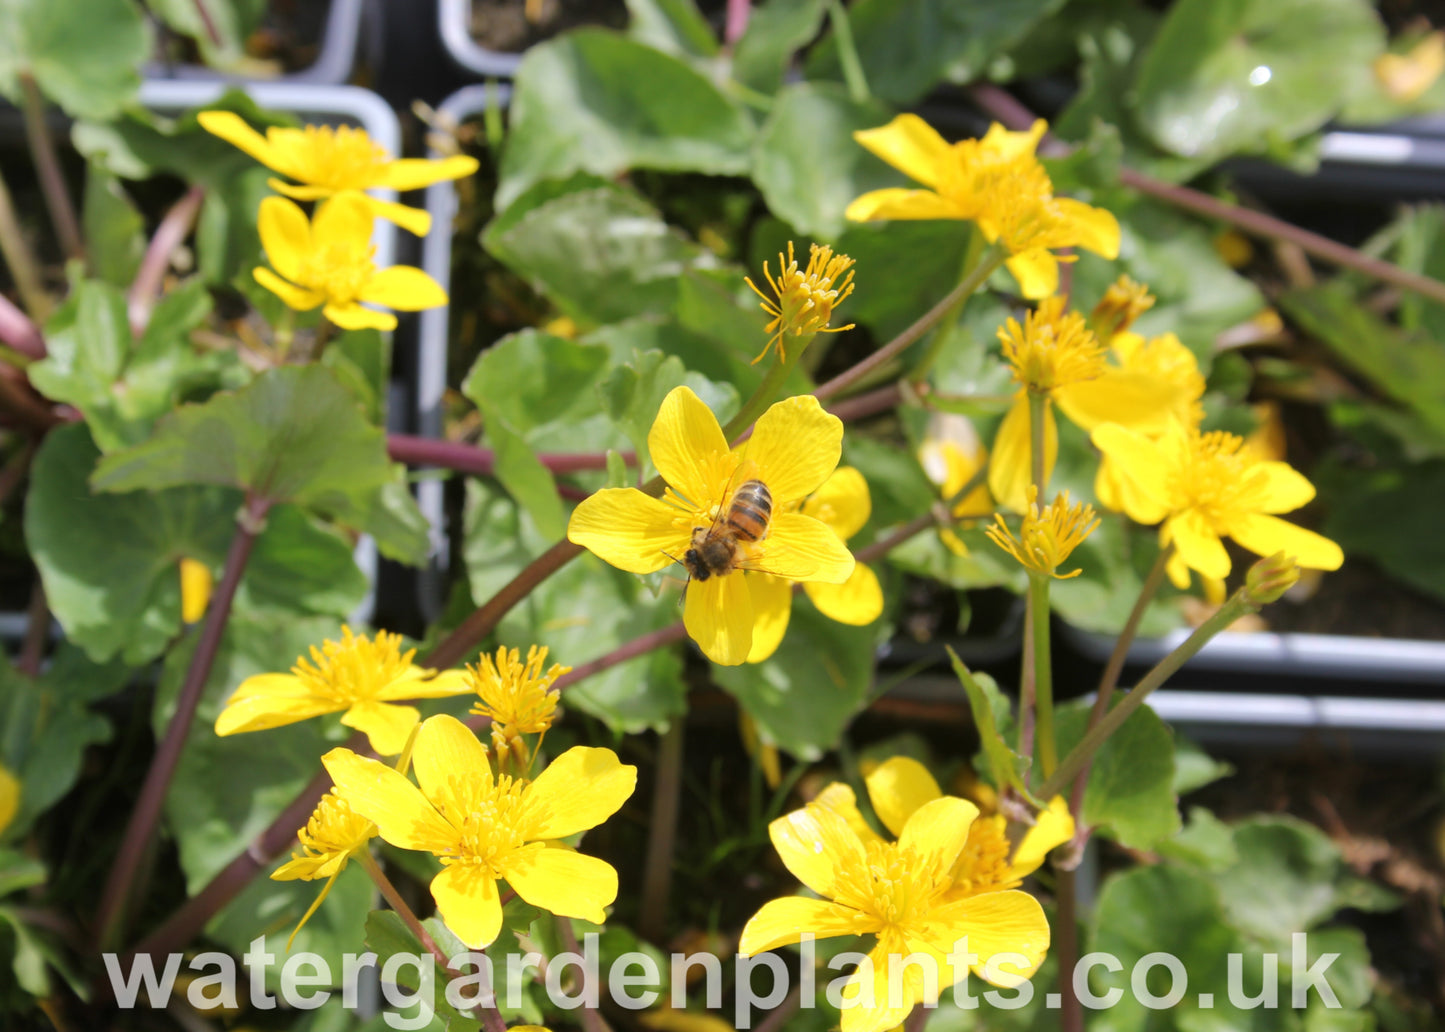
(290, 35)
(505, 25)
(1359, 600)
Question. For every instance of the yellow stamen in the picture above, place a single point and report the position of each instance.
(1052, 349)
(806, 298)
(1047, 537)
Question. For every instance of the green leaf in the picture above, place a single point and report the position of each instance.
(807, 164)
(1206, 842)
(1407, 545)
(228, 790)
(902, 268)
(580, 613)
(633, 392)
(673, 26)
(114, 238)
(43, 738)
(1006, 767)
(122, 386)
(602, 103)
(601, 255)
(1407, 367)
(84, 54)
(221, 35)
(1131, 783)
(909, 46)
(1115, 560)
(776, 30)
(1194, 768)
(295, 434)
(388, 936)
(18, 871)
(110, 563)
(804, 696)
(1225, 77)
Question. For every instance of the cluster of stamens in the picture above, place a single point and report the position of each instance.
(491, 817)
(333, 828)
(340, 270)
(340, 158)
(1052, 349)
(983, 865)
(804, 300)
(355, 667)
(517, 696)
(1046, 537)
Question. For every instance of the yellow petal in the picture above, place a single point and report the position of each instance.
(385, 724)
(937, 831)
(296, 298)
(718, 615)
(1053, 827)
(270, 700)
(1133, 400)
(1142, 469)
(196, 584)
(995, 923)
(839, 798)
(415, 684)
(414, 173)
(814, 843)
(1037, 272)
(9, 798)
(858, 601)
(234, 129)
(413, 220)
(1178, 569)
(782, 922)
(1010, 472)
(898, 203)
(898, 788)
(579, 790)
(843, 502)
(404, 288)
(1093, 229)
(1197, 543)
(446, 748)
(866, 997)
(466, 896)
(355, 317)
(285, 234)
(1011, 144)
(1266, 535)
(1281, 488)
(344, 219)
(630, 530)
(795, 447)
(800, 548)
(912, 146)
(772, 599)
(400, 812)
(300, 193)
(565, 883)
(686, 444)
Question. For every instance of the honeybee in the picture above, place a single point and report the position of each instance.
(716, 550)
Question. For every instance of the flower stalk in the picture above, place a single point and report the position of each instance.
(140, 830)
(24, 266)
(47, 169)
(169, 235)
(1038, 607)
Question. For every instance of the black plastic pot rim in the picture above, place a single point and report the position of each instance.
(335, 58)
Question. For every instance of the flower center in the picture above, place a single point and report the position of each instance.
(354, 669)
(983, 865)
(893, 890)
(491, 818)
(1216, 477)
(342, 159)
(340, 270)
(1054, 348)
(333, 828)
(518, 696)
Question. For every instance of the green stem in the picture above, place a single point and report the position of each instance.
(1038, 412)
(23, 265)
(285, 333)
(47, 168)
(762, 397)
(1238, 604)
(1043, 671)
(949, 322)
(853, 75)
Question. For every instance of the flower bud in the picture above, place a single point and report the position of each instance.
(1269, 578)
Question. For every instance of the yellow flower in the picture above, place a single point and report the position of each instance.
(794, 448)
(518, 697)
(331, 837)
(328, 261)
(485, 827)
(1056, 355)
(9, 798)
(1046, 538)
(806, 299)
(363, 677)
(842, 504)
(1206, 487)
(997, 183)
(951, 454)
(196, 584)
(1121, 304)
(330, 161)
(899, 892)
(899, 787)
(1406, 77)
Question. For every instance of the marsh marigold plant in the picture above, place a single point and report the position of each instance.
(995, 182)
(362, 678)
(1047, 536)
(792, 452)
(486, 827)
(803, 299)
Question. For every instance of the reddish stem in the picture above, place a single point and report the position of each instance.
(467, 458)
(19, 332)
(169, 235)
(737, 20)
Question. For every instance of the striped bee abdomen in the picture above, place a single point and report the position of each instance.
(750, 511)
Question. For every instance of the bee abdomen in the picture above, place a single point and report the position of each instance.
(751, 509)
